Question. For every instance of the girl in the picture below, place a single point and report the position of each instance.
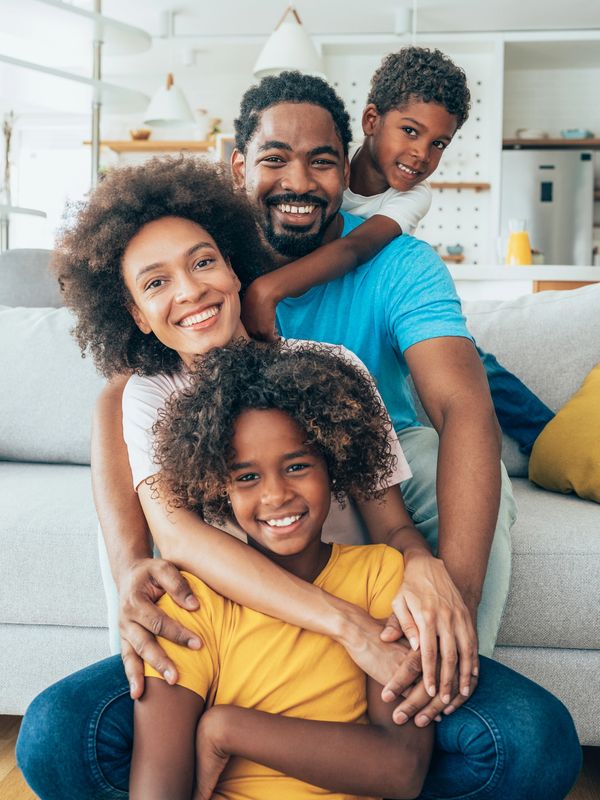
(264, 434)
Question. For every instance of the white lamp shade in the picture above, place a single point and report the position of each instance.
(289, 47)
(168, 107)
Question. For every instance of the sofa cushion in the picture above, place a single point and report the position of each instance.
(566, 455)
(48, 534)
(48, 390)
(550, 340)
(555, 591)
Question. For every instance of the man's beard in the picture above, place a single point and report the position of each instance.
(295, 241)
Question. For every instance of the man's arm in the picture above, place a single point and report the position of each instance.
(451, 383)
(321, 266)
(379, 758)
(427, 605)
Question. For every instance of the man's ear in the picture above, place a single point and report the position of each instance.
(139, 318)
(370, 119)
(238, 168)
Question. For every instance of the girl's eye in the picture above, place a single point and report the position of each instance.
(298, 467)
(247, 477)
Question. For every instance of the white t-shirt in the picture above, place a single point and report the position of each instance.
(405, 208)
(145, 396)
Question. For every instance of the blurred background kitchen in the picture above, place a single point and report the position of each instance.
(81, 83)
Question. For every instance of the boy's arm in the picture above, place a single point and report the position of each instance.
(379, 758)
(428, 607)
(321, 266)
(163, 758)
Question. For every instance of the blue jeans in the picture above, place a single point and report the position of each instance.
(520, 412)
(511, 741)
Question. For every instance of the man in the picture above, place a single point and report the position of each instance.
(487, 748)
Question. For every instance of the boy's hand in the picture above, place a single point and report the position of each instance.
(258, 310)
(429, 607)
(211, 758)
(141, 621)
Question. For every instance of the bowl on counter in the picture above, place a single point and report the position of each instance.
(140, 134)
(576, 133)
(455, 249)
(531, 133)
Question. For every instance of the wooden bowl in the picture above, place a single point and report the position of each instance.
(140, 135)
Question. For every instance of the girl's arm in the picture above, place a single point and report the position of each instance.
(163, 759)
(379, 758)
(321, 266)
(243, 575)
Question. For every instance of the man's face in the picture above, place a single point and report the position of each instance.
(295, 170)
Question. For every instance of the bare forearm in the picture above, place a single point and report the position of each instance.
(342, 757)
(119, 512)
(468, 497)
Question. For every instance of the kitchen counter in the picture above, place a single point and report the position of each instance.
(501, 282)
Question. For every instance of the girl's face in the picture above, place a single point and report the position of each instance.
(182, 288)
(279, 487)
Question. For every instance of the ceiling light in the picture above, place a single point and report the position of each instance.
(289, 47)
(168, 107)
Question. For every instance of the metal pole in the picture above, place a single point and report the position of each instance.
(96, 103)
(3, 232)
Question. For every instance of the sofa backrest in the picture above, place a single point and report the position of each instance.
(48, 391)
(25, 279)
(550, 340)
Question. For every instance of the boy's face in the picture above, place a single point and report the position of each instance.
(279, 487)
(295, 170)
(406, 144)
(181, 287)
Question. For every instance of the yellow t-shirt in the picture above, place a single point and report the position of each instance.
(255, 661)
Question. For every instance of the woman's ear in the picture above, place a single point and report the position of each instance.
(139, 319)
(237, 281)
(370, 119)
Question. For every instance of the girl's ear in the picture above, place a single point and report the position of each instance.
(139, 319)
(370, 119)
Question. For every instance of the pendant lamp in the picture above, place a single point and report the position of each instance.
(168, 107)
(289, 47)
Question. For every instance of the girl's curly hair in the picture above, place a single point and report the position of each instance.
(334, 402)
(87, 260)
(418, 72)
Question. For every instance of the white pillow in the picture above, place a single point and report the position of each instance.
(48, 391)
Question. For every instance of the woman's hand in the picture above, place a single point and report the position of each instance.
(141, 621)
(429, 607)
(258, 310)
(211, 758)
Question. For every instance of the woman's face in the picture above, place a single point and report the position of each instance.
(182, 288)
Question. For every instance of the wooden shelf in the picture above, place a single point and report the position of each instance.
(478, 187)
(581, 144)
(155, 146)
(453, 259)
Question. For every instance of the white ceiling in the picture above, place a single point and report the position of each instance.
(258, 17)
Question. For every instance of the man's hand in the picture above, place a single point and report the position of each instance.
(258, 310)
(140, 620)
(418, 704)
(211, 758)
(429, 607)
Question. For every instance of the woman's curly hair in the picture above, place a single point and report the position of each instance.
(424, 74)
(332, 401)
(89, 251)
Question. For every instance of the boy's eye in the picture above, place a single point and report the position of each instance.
(410, 131)
(440, 145)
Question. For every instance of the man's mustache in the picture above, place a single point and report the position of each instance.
(297, 199)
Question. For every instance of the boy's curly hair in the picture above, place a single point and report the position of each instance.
(334, 402)
(87, 260)
(289, 87)
(424, 74)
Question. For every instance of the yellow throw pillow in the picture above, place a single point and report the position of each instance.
(566, 454)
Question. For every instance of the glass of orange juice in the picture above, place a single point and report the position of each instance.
(518, 250)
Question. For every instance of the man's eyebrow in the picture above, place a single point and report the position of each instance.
(324, 149)
(274, 144)
(158, 264)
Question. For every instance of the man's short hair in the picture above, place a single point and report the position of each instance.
(289, 87)
(422, 74)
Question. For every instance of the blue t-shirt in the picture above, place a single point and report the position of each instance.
(402, 296)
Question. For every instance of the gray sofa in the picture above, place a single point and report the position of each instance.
(52, 611)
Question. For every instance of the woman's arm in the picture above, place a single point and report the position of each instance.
(242, 574)
(164, 730)
(321, 266)
(379, 758)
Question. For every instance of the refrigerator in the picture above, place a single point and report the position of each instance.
(554, 191)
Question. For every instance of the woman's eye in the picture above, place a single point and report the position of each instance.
(154, 284)
(203, 262)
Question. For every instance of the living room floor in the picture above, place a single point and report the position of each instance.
(13, 787)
